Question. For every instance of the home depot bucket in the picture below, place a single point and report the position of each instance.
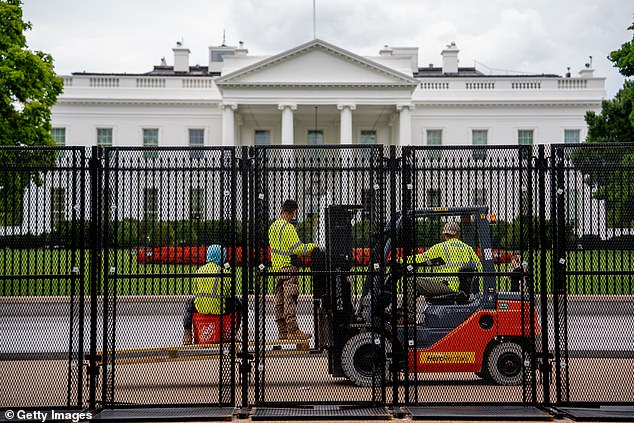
(211, 328)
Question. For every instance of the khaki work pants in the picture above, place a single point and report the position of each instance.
(286, 296)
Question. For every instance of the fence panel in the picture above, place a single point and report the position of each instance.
(479, 346)
(595, 267)
(101, 248)
(162, 208)
(338, 188)
(43, 277)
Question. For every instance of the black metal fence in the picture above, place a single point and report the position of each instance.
(101, 249)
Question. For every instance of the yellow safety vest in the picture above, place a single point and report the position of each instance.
(285, 243)
(211, 289)
(456, 255)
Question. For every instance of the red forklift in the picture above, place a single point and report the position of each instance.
(486, 332)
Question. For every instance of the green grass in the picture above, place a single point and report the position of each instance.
(42, 272)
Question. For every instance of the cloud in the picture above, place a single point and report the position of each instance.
(525, 35)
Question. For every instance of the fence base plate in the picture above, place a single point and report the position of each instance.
(172, 414)
(321, 412)
(604, 413)
(484, 412)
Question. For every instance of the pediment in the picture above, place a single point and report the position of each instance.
(316, 64)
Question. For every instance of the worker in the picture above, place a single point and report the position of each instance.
(450, 256)
(212, 292)
(285, 245)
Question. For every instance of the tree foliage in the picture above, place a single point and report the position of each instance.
(623, 58)
(29, 88)
(608, 168)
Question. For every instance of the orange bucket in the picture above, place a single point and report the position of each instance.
(212, 328)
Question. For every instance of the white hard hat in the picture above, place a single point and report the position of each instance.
(451, 228)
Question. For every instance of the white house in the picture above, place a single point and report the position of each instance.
(320, 94)
(240, 99)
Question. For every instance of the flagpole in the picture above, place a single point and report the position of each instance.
(314, 20)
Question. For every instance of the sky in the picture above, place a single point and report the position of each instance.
(497, 36)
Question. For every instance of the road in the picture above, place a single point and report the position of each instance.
(41, 328)
(35, 337)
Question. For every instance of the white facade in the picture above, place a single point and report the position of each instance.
(241, 100)
(319, 85)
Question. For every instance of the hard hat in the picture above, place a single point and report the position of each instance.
(451, 228)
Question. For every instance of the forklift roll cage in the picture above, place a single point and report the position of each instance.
(365, 342)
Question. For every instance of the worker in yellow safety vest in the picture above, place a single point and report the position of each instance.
(285, 245)
(454, 256)
(212, 292)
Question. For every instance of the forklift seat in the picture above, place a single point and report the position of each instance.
(454, 298)
(468, 280)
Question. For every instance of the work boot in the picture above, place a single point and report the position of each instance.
(187, 337)
(298, 334)
(281, 329)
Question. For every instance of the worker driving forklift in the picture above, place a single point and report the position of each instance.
(379, 329)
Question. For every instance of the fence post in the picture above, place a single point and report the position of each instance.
(95, 259)
(393, 169)
(543, 271)
(247, 214)
(559, 272)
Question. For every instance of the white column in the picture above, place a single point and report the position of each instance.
(287, 123)
(405, 124)
(287, 190)
(345, 136)
(228, 124)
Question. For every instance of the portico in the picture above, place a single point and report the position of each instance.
(316, 94)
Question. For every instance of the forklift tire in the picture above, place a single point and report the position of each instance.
(505, 365)
(361, 359)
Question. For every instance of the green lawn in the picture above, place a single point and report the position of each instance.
(51, 272)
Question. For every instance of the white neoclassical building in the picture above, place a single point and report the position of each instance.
(319, 93)
(315, 94)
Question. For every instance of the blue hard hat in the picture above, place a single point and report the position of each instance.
(216, 253)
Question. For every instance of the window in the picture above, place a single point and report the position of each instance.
(479, 137)
(262, 137)
(196, 203)
(572, 136)
(150, 139)
(368, 136)
(315, 137)
(433, 198)
(58, 207)
(104, 137)
(218, 55)
(197, 139)
(59, 136)
(434, 137)
(150, 204)
(480, 197)
(525, 137)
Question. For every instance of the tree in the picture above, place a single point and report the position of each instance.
(29, 88)
(608, 168)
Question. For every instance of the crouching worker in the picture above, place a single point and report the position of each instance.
(212, 292)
